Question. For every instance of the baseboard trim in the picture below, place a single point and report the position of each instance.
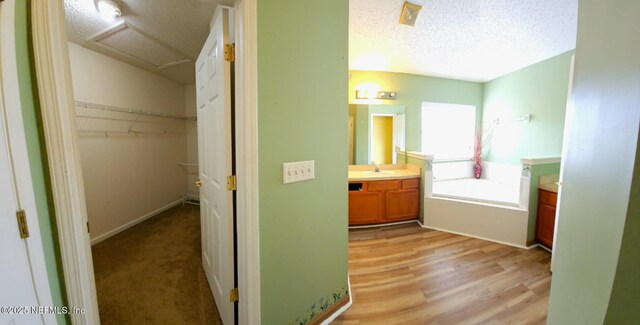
(543, 247)
(384, 224)
(473, 236)
(334, 310)
(134, 222)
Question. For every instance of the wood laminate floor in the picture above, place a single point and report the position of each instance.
(410, 275)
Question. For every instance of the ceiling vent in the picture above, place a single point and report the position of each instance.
(409, 13)
(134, 46)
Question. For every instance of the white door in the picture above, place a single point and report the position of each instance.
(23, 280)
(565, 147)
(213, 83)
(16, 286)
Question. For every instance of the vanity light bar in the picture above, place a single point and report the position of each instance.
(386, 95)
(382, 94)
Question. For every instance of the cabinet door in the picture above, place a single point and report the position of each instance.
(365, 207)
(402, 204)
(546, 223)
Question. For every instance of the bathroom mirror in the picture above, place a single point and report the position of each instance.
(374, 133)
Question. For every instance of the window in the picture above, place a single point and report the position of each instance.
(448, 130)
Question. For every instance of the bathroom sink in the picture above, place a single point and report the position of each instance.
(380, 173)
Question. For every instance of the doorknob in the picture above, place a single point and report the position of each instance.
(199, 183)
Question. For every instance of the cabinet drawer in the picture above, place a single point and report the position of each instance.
(410, 183)
(547, 197)
(383, 186)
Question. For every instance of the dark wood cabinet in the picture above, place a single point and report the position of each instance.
(364, 207)
(402, 204)
(547, 202)
(374, 202)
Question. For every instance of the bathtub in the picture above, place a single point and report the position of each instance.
(500, 183)
(494, 207)
(480, 190)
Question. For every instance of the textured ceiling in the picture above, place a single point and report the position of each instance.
(159, 32)
(476, 40)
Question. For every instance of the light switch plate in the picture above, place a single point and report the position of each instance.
(298, 171)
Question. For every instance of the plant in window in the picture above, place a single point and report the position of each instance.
(481, 147)
(477, 156)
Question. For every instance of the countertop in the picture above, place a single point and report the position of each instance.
(552, 187)
(549, 183)
(369, 175)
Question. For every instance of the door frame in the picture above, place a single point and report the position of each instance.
(371, 142)
(55, 90)
(246, 110)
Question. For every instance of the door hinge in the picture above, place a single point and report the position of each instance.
(22, 224)
(231, 183)
(233, 295)
(88, 229)
(230, 52)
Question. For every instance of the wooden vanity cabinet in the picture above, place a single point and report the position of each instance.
(364, 208)
(547, 202)
(382, 201)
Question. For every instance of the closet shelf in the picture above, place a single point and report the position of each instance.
(131, 111)
(108, 119)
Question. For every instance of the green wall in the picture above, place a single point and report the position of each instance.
(539, 90)
(412, 90)
(352, 113)
(361, 141)
(596, 263)
(302, 109)
(37, 158)
(625, 294)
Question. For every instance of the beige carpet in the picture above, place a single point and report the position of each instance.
(152, 273)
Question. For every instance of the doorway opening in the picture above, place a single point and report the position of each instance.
(141, 144)
(382, 139)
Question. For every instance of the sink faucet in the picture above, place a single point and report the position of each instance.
(376, 168)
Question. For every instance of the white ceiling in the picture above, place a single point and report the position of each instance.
(156, 33)
(476, 40)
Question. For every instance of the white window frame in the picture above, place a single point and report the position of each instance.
(431, 105)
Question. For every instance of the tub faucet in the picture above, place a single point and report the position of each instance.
(376, 167)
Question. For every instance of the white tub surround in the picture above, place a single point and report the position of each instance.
(480, 190)
(540, 161)
(497, 223)
(493, 208)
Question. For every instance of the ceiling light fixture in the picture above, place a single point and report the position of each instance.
(108, 10)
(409, 13)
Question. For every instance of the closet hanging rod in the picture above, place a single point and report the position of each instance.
(131, 111)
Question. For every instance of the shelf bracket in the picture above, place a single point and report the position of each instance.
(133, 122)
